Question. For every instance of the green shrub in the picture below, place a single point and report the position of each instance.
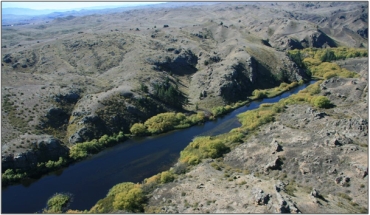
(319, 61)
(252, 119)
(55, 164)
(138, 129)
(330, 75)
(259, 94)
(218, 111)
(121, 187)
(321, 102)
(82, 150)
(168, 121)
(12, 176)
(166, 177)
(314, 88)
(104, 205)
(161, 123)
(203, 147)
(58, 203)
(131, 201)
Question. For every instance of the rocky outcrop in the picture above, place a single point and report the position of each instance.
(45, 148)
(71, 96)
(363, 32)
(260, 198)
(274, 164)
(232, 80)
(283, 205)
(110, 112)
(182, 64)
(318, 39)
(276, 147)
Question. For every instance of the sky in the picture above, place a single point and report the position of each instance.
(67, 5)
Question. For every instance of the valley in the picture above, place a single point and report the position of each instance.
(75, 85)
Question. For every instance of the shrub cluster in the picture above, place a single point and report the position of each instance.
(252, 119)
(321, 102)
(318, 62)
(221, 110)
(269, 93)
(58, 203)
(130, 197)
(50, 165)
(82, 150)
(125, 196)
(165, 122)
(76, 152)
(11, 175)
(169, 94)
(203, 147)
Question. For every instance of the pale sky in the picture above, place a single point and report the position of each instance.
(67, 5)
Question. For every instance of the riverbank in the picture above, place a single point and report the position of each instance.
(215, 147)
(308, 160)
(158, 124)
(300, 156)
(138, 158)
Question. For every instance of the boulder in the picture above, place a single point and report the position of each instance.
(274, 164)
(342, 180)
(276, 147)
(315, 193)
(260, 198)
(7, 58)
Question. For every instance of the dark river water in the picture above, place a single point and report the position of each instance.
(132, 160)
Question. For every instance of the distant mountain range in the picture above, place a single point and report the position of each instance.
(20, 16)
(28, 12)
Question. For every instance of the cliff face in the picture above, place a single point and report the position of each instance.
(110, 112)
(234, 79)
(40, 149)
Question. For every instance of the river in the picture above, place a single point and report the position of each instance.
(132, 160)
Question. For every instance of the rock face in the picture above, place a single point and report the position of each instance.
(182, 62)
(234, 79)
(110, 112)
(45, 148)
(317, 39)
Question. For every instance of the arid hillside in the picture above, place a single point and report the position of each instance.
(76, 78)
